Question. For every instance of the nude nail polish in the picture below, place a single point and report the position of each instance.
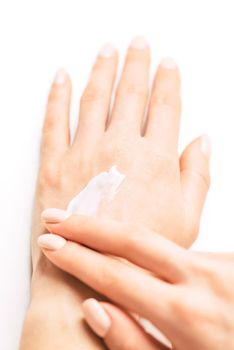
(60, 77)
(168, 63)
(96, 317)
(54, 215)
(51, 241)
(107, 51)
(138, 42)
(205, 145)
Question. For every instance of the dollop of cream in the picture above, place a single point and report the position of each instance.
(101, 187)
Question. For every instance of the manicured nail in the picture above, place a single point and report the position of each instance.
(60, 77)
(205, 145)
(107, 51)
(51, 241)
(96, 317)
(168, 63)
(139, 42)
(54, 215)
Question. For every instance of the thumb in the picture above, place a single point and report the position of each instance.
(195, 178)
(118, 329)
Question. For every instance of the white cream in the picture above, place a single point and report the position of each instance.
(102, 187)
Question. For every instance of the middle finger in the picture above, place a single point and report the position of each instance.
(132, 92)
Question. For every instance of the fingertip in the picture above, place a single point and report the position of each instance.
(205, 145)
(139, 42)
(168, 63)
(51, 241)
(96, 317)
(54, 215)
(107, 51)
(60, 77)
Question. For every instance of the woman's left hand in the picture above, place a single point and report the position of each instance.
(184, 294)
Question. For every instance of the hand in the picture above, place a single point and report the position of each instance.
(184, 293)
(161, 190)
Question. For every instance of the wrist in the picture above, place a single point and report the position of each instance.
(52, 325)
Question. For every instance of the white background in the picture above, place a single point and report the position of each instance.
(37, 37)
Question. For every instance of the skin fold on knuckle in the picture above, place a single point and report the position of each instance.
(165, 100)
(133, 240)
(93, 94)
(215, 274)
(133, 89)
(185, 309)
(57, 96)
(200, 175)
(108, 275)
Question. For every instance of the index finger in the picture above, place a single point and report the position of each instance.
(139, 245)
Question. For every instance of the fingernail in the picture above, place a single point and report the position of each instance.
(60, 77)
(107, 51)
(168, 63)
(96, 317)
(205, 145)
(139, 42)
(54, 215)
(51, 241)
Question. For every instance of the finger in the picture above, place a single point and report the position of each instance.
(195, 178)
(56, 134)
(122, 283)
(117, 328)
(162, 125)
(132, 92)
(95, 101)
(141, 246)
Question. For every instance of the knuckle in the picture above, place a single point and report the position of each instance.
(195, 307)
(56, 95)
(205, 178)
(165, 166)
(110, 274)
(134, 237)
(210, 271)
(201, 176)
(116, 151)
(183, 306)
(133, 89)
(93, 93)
(49, 176)
(50, 122)
(55, 109)
(170, 101)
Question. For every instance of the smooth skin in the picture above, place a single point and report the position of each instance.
(161, 191)
(187, 295)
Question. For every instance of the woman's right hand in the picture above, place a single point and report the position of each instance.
(188, 296)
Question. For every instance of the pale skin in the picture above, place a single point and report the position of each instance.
(172, 187)
(188, 295)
